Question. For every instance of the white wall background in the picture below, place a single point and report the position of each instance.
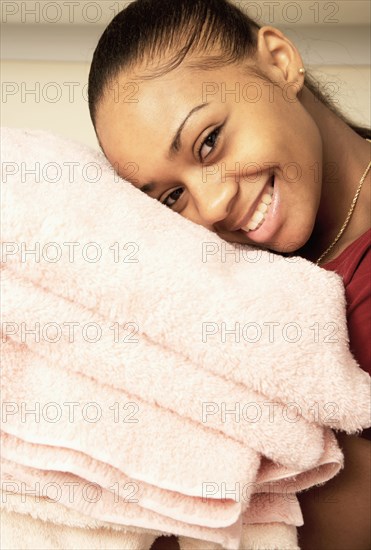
(46, 48)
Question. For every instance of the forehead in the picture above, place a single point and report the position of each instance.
(138, 117)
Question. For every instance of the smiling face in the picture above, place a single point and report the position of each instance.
(224, 148)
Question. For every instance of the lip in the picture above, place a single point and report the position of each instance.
(253, 207)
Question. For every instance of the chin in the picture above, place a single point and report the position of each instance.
(286, 243)
(293, 243)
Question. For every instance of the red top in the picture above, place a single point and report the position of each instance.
(354, 266)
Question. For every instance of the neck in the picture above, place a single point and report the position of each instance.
(345, 158)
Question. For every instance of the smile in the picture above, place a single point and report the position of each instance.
(258, 217)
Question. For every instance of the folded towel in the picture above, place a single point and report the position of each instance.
(24, 532)
(31, 523)
(27, 530)
(130, 327)
(32, 378)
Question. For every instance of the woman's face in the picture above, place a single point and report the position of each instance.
(223, 148)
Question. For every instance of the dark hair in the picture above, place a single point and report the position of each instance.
(161, 33)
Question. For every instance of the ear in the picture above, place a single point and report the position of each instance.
(278, 57)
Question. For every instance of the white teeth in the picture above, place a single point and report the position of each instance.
(266, 198)
(258, 216)
(261, 211)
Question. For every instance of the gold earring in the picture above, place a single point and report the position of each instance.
(302, 70)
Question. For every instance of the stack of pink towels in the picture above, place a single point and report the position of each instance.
(156, 378)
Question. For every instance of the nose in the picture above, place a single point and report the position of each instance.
(211, 196)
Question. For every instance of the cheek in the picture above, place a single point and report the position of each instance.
(294, 144)
(279, 126)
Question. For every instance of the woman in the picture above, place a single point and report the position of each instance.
(215, 117)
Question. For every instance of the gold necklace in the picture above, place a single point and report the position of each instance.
(348, 215)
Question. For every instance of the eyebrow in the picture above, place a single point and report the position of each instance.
(147, 187)
(176, 143)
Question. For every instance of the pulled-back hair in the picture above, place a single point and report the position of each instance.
(161, 34)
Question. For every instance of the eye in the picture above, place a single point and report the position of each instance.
(173, 196)
(210, 142)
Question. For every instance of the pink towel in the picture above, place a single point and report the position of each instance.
(205, 425)
(27, 531)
